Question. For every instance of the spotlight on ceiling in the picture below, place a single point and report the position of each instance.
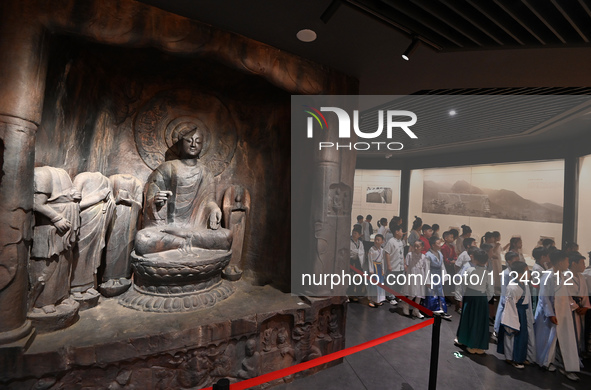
(452, 112)
(306, 35)
(413, 45)
(330, 11)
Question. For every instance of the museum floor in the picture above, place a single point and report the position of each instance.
(403, 363)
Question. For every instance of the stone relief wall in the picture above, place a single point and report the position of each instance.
(115, 111)
(274, 341)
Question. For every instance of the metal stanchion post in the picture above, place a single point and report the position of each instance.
(434, 353)
(223, 384)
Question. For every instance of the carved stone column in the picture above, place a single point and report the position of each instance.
(331, 205)
(23, 66)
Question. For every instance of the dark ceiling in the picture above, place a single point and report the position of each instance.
(455, 25)
(537, 43)
(471, 118)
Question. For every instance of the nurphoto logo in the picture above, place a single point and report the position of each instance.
(392, 122)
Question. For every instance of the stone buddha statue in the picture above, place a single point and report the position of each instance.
(182, 249)
(180, 210)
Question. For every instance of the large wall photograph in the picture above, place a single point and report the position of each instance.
(526, 192)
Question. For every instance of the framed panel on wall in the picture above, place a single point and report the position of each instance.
(517, 199)
(376, 192)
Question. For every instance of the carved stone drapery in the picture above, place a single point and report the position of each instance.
(96, 211)
(128, 194)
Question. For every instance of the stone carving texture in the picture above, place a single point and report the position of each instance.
(191, 357)
(159, 122)
(96, 211)
(182, 249)
(56, 230)
(251, 364)
(128, 194)
(236, 204)
(340, 200)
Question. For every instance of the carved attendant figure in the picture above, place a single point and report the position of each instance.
(96, 210)
(180, 204)
(127, 191)
(236, 211)
(56, 229)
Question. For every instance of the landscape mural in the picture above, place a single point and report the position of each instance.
(526, 192)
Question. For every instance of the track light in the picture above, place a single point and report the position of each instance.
(413, 45)
(330, 11)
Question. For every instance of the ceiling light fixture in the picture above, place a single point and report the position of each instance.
(452, 112)
(330, 11)
(413, 45)
(306, 35)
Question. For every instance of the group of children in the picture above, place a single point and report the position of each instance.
(540, 314)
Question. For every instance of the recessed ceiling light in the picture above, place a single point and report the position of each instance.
(306, 35)
(452, 112)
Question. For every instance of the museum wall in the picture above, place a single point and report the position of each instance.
(113, 110)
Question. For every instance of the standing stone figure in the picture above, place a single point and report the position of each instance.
(96, 210)
(56, 229)
(128, 193)
(236, 209)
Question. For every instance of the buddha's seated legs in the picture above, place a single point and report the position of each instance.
(154, 239)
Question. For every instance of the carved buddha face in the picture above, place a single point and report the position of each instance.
(191, 144)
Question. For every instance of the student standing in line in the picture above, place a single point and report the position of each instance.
(384, 230)
(513, 335)
(459, 287)
(356, 259)
(455, 234)
(436, 297)
(466, 233)
(394, 252)
(492, 305)
(360, 221)
(417, 265)
(510, 258)
(464, 257)
(415, 232)
(516, 245)
(367, 232)
(426, 237)
(554, 329)
(570, 247)
(473, 327)
(540, 255)
(375, 258)
(460, 266)
(549, 243)
(449, 259)
(435, 228)
(580, 297)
